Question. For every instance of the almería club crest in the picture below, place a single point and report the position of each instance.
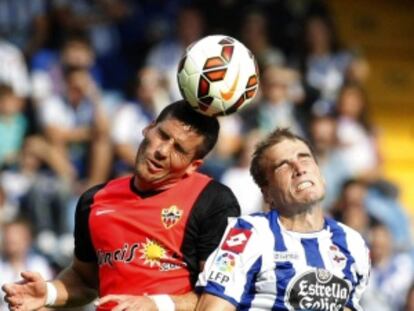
(171, 216)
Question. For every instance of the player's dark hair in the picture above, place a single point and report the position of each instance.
(5, 90)
(257, 170)
(206, 126)
(20, 221)
(79, 37)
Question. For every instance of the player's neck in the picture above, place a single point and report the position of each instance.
(311, 220)
(155, 186)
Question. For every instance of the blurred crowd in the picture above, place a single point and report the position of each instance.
(80, 79)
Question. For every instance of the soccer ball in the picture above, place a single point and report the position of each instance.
(218, 75)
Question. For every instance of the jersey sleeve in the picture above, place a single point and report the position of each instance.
(220, 205)
(362, 272)
(206, 224)
(84, 249)
(230, 270)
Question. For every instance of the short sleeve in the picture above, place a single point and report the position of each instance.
(207, 223)
(84, 249)
(236, 261)
(362, 271)
(52, 112)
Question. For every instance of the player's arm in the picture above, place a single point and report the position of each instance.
(362, 269)
(210, 302)
(74, 286)
(185, 302)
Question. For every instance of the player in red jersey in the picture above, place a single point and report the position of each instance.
(141, 241)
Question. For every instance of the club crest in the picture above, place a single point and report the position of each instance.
(171, 216)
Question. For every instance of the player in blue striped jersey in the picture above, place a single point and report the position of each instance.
(293, 257)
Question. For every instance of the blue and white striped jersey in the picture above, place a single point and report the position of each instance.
(261, 266)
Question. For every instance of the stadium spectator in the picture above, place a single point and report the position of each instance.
(98, 20)
(48, 66)
(78, 126)
(357, 138)
(18, 256)
(277, 107)
(8, 210)
(166, 55)
(239, 180)
(391, 275)
(39, 184)
(149, 98)
(13, 125)
(360, 201)
(350, 207)
(14, 71)
(409, 301)
(382, 202)
(228, 144)
(25, 24)
(253, 34)
(323, 136)
(323, 62)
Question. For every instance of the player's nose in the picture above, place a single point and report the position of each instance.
(162, 150)
(298, 168)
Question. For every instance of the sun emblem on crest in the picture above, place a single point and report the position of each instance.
(152, 253)
(171, 216)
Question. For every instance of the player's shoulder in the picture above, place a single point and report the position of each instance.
(215, 197)
(216, 190)
(87, 197)
(352, 236)
(257, 221)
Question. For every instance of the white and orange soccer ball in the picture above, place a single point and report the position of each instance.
(218, 75)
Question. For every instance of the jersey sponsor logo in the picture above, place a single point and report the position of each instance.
(126, 254)
(318, 290)
(171, 216)
(338, 259)
(236, 240)
(168, 266)
(285, 256)
(225, 262)
(154, 254)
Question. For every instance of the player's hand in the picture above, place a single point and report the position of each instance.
(129, 302)
(28, 294)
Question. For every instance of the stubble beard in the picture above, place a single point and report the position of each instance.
(299, 207)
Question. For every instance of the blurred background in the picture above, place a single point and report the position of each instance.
(80, 79)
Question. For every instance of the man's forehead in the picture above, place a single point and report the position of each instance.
(170, 121)
(288, 148)
(178, 129)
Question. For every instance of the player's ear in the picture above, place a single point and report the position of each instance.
(194, 165)
(147, 128)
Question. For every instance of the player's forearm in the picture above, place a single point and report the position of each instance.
(209, 302)
(72, 290)
(186, 302)
(62, 136)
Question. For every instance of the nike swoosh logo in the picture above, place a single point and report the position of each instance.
(105, 211)
(229, 94)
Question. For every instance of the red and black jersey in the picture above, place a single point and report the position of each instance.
(151, 243)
